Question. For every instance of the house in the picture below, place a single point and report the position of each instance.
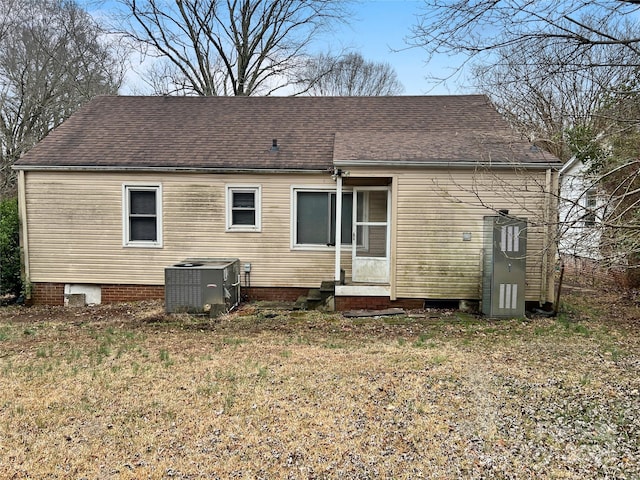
(580, 209)
(401, 185)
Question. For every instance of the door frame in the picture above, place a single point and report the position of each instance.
(370, 269)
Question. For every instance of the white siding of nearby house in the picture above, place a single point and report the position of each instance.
(579, 236)
(75, 222)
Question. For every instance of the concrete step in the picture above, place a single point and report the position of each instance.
(314, 294)
(301, 303)
(328, 286)
(327, 289)
(317, 297)
(314, 299)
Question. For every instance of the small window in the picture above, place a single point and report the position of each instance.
(315, 218)
(591, 202)
(243, 208)
(142, 216)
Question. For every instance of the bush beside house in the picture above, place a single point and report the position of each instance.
(10, 283)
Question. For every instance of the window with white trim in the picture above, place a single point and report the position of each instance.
(142, 215)
(314, 218)
(243, 208)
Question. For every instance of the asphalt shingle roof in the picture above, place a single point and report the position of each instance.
(311, 132)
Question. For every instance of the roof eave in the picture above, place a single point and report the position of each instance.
(139, 169)
(573, 161)
(337, 163)
(445, 164)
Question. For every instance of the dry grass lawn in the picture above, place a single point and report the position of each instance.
(126, 391)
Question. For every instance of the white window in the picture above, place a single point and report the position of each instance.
(314, 217)
(142, 215)
(591, 202)
(243, 208)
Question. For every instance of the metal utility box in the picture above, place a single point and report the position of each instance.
(202, 286)
(503, 280)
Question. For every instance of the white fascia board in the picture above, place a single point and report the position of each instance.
(569, 165)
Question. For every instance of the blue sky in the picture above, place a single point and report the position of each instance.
(378, 31)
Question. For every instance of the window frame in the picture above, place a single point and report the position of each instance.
(294, 218)
(257, 192)
(126, 215)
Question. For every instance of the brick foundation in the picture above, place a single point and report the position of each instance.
(53, 293)
(131, 293)
(282, 294)
(47, 294)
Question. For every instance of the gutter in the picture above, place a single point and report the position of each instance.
(24, 233)
(569, 165)
(453, 165)
(466, 164)
(94, 168)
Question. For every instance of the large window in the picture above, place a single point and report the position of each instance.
(142, 215)
(243, 208)
(315, 217)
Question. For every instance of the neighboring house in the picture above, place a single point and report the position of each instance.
(580, 211)
(130, 185)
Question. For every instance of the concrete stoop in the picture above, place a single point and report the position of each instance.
(318, 298)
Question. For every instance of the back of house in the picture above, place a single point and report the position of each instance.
(386, 199)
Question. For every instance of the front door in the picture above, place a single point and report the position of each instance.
(370, 235)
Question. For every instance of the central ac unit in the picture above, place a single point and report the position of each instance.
(202, 286)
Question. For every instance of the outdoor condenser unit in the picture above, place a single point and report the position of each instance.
(503, 280)
(202, 286)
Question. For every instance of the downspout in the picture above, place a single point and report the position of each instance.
(24, 236)
(338, 242)
(555, 185)
(391, 223)
(545, 284)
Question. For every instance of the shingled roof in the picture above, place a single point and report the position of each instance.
(313, 133)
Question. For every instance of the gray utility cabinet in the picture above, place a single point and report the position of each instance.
(503, 279)
(202, 286)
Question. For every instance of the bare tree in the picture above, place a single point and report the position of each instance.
(564, 74)
(226, 47)
(477, 28)
(543, 98)
(52, 60)
(7, 19)
(616, 176)
(349, 75)
(545, 64)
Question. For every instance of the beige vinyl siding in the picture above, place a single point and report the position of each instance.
(435, 210)
(75, 228)
(75, 222)
(436, 207)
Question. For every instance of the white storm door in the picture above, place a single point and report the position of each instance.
(370, 235)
